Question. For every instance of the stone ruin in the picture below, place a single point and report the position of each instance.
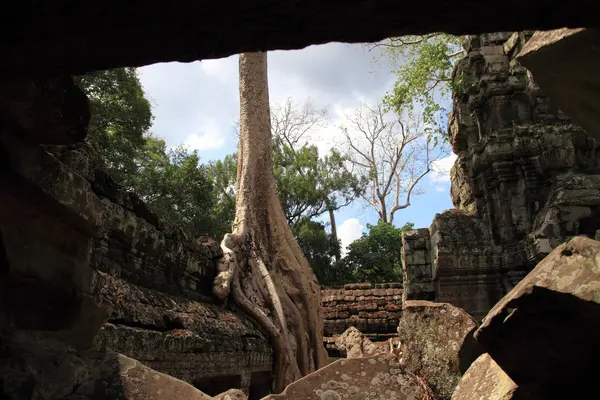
(111, 277)
(526, 180)
(373, 309)
(86, 269)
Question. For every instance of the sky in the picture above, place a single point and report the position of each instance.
(197, 104)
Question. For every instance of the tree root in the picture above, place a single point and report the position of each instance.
(228, 281)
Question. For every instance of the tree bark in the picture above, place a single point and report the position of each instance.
(334, 236)
(263, 268)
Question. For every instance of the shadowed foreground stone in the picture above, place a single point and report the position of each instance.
(484, 380)
(433, 337)
(45, 111)
(378, 377)
(545, 331)
(353, 344)
(123, 378)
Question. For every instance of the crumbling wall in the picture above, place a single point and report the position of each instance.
(526, 178)
(416, 260)
(86, 267)
(374, 310)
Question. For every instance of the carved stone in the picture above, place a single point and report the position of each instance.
(526, 179)
(87, 268)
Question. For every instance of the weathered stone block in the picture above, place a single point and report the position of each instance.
(380, 377)
(353, 344)
(122, 378)
(434, 337)
(485, 380)
(545, 329)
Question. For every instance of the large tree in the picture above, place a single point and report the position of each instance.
(175, 186)
(308, 183)
(121, 117)
(424, 69)
(390, 156)
(263, 268)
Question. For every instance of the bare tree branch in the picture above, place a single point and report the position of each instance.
(392, 156)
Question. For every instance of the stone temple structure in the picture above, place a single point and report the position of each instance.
(85, 268)
(526, 180)
(145, 289)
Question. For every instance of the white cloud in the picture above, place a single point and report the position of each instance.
(186, 95)
(205, 142)
(348, 232)
(224, 69)
(441, 169)
(210, 139)
(441, 188)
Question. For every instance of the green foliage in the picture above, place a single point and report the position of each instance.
(424, 66)
(376, 256)
(222, 174)
(309, 185)
(121, 116)
(320, 248)
(175, 186)
(172, 182)
(462, 83)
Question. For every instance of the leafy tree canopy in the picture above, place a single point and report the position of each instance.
(423, 68)
(121, 116)
(308, 185)
(376, 256)
(320, 248)
(175, 186)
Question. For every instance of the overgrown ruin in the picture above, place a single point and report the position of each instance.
(87, 269)
(374, 310)
(152, 284)
(526, 180)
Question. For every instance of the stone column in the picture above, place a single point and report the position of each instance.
(416, 266)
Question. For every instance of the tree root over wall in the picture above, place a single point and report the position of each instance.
(263, 268)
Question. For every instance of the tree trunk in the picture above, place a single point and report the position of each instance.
(263, 267)
(333, 231)
(383, 214)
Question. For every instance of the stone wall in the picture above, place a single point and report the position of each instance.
(416, 261)
(374, 310)
(526, 179)
(87, 268)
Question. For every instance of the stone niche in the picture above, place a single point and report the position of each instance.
(374, 310)
(86, 268)
(526, 179)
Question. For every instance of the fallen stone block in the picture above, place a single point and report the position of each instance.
(378, 377)
(545, 330)
(122, 378)
(436, 341)
(353, 344)
(486, 380)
